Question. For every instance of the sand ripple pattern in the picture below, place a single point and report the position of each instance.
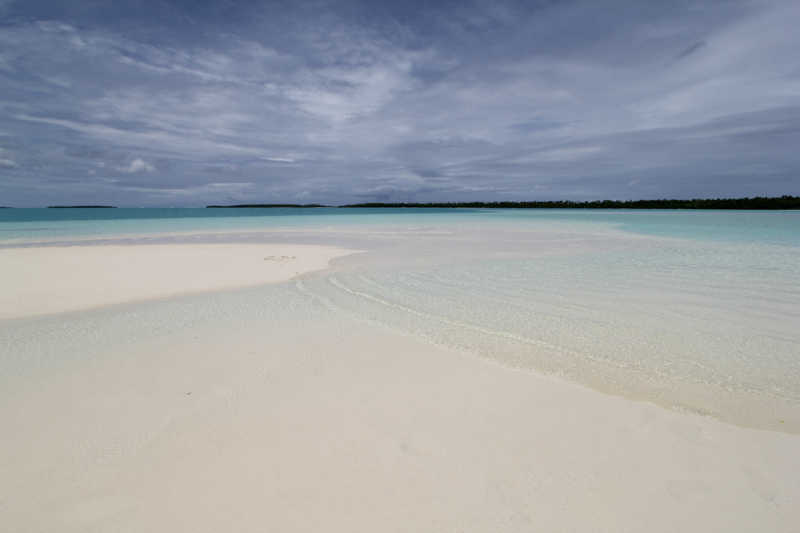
(700, 328)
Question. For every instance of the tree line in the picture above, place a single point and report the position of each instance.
(783, 202)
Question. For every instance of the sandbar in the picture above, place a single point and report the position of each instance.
(306, 420)
(56, 279)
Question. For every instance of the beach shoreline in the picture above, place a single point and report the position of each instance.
(294, 414)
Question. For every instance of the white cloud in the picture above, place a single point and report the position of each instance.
(339, 94)
(136, 166)
(8, 163)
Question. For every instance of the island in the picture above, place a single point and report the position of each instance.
(783, 202)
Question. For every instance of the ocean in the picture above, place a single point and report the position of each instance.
(697, 311)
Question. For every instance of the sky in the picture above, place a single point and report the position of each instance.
(188, 103)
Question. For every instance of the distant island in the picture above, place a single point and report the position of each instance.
(757, 203)
(265, 205)
(783, 202)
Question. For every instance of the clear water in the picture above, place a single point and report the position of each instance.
(38, 225)
(693, 310)
(24, 225)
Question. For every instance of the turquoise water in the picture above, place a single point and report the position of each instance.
(21, 225)
(693, 310)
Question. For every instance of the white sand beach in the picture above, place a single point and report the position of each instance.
(308, 425)
(56, 279)
(480, 266)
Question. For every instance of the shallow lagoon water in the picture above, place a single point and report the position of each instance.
(37, 225)
(693, 310)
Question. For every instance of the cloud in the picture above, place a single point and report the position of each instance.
(136, 166)
(7, 163)
(696, 47)
(220, 169)
(428, 173)
(93, 152)
(431, 101)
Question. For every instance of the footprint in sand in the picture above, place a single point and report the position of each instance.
(761, 485)
(682, 487)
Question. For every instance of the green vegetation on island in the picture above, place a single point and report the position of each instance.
(266, 205)
(783, 202)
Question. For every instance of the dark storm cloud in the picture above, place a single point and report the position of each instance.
(189, 103)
